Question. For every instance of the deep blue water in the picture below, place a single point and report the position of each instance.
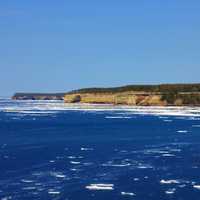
(63, 154)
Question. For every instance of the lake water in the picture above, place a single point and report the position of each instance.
(49, 150)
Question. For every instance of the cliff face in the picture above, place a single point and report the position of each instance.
(126, 98)
(141, 95)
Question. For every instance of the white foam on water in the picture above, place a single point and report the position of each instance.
(156, 151)
(74, 162)
(52, 107)
(100, 187)
(128, 194)
(169, 181)
(53, 192)
(144, 166)
(170, 191)
(27, 181)
(74, 169)
(88, 163)
(118, 117)
(58, 174)
(196, 125)
(196, 187)
(6, 198)
(116, 165)
(86, 149)
(182, 185)
(168, 155)
(71, 157)
(182, 131)
(29, 188)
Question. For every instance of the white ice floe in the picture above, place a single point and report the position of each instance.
(100, 187)
(169, 181)
(128, 193)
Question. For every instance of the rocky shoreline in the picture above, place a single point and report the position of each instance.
(137, 95)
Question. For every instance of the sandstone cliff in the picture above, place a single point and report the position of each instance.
(125, 98)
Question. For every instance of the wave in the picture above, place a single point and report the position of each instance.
(49, 107)
(100, 187)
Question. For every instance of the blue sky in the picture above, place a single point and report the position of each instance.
(55, 46)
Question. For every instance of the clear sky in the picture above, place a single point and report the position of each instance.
(55, 46)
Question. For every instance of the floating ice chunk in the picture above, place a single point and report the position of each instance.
(169, 181)
(128, 193)
(100, 187)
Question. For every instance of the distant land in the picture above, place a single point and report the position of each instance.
(38, 96)
(137, 95)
